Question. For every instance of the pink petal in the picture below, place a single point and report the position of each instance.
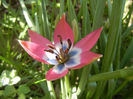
(86, 58)
(37, 38)
(34, 50)
(89, 41)
(64, 30)
(56, 72)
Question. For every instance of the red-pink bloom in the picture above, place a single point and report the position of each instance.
(63, 54)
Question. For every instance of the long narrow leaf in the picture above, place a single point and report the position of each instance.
(27, 15)
(117, 9)
(86, 24)
(45, 19)
(98, 16)
(128, 54)
(123, 73)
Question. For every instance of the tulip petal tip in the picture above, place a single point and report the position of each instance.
(101, 28)
(19, 41)
(63, 16)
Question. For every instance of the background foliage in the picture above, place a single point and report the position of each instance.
(110, 77)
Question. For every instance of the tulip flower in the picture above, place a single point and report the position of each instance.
(63, 54)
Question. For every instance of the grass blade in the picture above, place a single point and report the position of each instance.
(45, 20)
(61, 7)
(97, 21)
(27, 15)
(128, 54)
(122, 73)
(86, 24)
(117, 9)
(71, 12)
(93, 7)
(127, 32)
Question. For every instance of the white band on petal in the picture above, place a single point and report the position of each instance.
(50, 58)
(63, 46)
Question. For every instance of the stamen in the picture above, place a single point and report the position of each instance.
(60, 39)
(57, 58)
(50, 51)
(50, 46)
(69, 43)
(66, 51)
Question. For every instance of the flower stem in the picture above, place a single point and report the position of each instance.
(51, 89)
(62, 89)
(49, 83)
(83, 80)
(67, 87)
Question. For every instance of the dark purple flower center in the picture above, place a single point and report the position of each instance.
(61, 55)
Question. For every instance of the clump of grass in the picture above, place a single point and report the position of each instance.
(110, 77)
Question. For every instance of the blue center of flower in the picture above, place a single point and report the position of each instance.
(74, 52)
(62, 55)
(60, 67)
(70, 62)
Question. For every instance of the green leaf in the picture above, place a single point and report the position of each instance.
(27, 15)
(122, 73)
(71, 11)
(93, 6)
(98, 16)
(72, 18)
(21, 96)
(8, 60)
(83, 80)
(75, 30)
(86, 24)
(61, 7)
(45, 19)
(47, 96)
(113, 34)
(23, 89)
(23, 34)
(39, 81)
(91, 89)
(127, 32)
(109, 8)
(4, 3)
(37, 24)
(128, 54)
(9, 91)
(1, 92)
(114, 30)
